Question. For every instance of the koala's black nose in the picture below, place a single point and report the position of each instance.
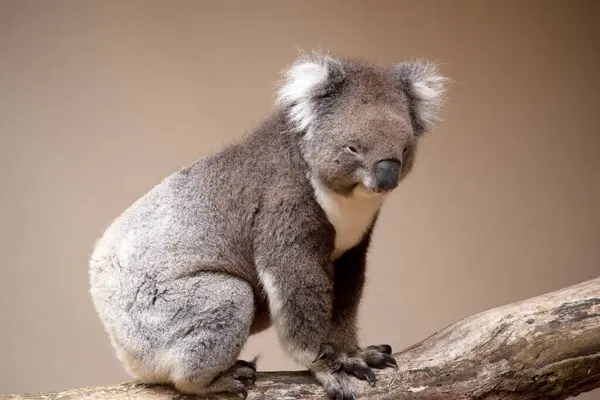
(387, 173)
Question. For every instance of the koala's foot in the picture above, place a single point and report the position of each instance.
(378, 356)
(334, 370)
(244, 372)
(235, 381)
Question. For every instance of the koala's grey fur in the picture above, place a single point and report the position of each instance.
(273, 229)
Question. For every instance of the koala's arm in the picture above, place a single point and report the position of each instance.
(296, 273)
(299, 290)
(349, 278)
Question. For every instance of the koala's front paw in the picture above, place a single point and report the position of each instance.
(340, 361)
(378, 356)
(333, 369)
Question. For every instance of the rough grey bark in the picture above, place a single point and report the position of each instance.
(546, 347)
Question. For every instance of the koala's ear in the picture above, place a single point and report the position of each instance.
(310, 78)
(425, 89)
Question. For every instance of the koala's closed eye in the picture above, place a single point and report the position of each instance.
(352, 149)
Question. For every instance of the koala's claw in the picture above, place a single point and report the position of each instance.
(379, 356)
(360, 369)
(382, 348)
(333, 369)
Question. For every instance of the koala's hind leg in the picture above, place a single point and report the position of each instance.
(205, 320)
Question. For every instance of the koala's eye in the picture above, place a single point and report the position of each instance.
(352, 149)
(405, 151)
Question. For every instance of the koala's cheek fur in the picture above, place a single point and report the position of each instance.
(343, 174)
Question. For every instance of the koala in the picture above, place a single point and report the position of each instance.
(271, 231)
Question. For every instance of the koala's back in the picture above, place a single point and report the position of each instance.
(195, 216)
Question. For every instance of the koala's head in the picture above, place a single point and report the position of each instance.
(360, 123)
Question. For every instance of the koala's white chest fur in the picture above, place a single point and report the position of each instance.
(350, 216)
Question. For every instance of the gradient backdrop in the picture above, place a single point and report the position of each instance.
(99, 100)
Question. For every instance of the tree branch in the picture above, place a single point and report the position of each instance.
(546, 347)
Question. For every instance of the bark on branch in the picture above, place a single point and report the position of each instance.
(546, 347)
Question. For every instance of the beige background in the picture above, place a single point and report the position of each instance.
(100, 99)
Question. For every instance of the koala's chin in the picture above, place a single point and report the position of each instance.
(365, 191)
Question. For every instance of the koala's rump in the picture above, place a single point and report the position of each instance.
(194, 221)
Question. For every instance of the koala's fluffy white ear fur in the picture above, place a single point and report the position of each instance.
(309, 77)
(426, 88)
